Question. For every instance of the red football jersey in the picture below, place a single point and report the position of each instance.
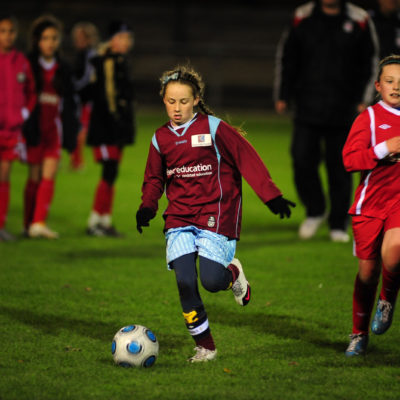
(200, 166)
(365, 150)
(49, 101)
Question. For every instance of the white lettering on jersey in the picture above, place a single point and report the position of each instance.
(189, 172)
(203, 139)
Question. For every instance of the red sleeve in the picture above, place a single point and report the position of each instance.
(30, 88)
(154, 180)
(358, 152)
(234, 148)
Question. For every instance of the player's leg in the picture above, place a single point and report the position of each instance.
(30, 192)
(367, 241)
(5, 171)
(216, 253)
(193, 309)
(44, 197)
(215, 276)
(390, 281)
(100, 219)
(306, 156)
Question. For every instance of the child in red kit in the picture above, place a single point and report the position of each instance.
(17, 100)
(199, 161)
(373, 148)
(52, 125)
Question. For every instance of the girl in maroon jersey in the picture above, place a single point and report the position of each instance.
(373, 148)
(199, 161)
(52, 124)
(18, 98)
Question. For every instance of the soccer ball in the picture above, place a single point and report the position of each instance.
(135, 346)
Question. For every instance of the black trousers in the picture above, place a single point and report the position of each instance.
(310, 146)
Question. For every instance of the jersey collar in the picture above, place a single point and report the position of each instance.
(392, 110)
(184, 126)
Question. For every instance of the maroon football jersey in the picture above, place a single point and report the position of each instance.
(200, 167)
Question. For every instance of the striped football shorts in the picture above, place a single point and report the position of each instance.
(189, 239)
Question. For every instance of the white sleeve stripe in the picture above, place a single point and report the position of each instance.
(381, 150)
(155, 144)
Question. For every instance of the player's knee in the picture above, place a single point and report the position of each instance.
(110, 171)
(211, 283)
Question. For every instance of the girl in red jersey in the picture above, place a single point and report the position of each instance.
(18, 98)
(53, 124)
(373, 148)
(199, 160)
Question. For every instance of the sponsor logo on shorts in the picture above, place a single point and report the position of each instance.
(211, 222)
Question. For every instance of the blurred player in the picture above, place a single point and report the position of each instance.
(112, 124)
(199, 161)
(18, 97)
(373, 148)
(52, 124)
(85, 39)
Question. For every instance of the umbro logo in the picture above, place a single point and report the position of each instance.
(384, 126)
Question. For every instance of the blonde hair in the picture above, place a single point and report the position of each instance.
(186, 75)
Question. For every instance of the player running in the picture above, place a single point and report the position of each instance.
(199, 161)
(373, 147)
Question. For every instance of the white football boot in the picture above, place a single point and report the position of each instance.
(203, 355)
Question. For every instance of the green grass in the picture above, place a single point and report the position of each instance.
(62, 302)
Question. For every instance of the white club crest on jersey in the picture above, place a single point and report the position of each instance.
(201, 140)
(384, 126)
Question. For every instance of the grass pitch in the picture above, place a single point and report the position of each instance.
(61, 302)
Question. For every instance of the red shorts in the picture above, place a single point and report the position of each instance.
(49, 147)
(107, 152)
(10, 151)
(368, 233)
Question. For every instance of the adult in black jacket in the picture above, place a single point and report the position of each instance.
(386, 17)
(111, 124)
(325, 67)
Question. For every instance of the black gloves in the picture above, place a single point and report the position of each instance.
(280, 206)
(143, 217)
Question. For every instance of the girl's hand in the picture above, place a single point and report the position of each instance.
(393, 144)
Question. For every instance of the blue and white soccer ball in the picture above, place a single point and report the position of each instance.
(135, 346)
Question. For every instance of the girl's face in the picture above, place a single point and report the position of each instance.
(179, 102)
(121, 42)
(49, 42)
(388, 85)
(8, 34)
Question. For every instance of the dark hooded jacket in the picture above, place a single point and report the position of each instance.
(326, 64)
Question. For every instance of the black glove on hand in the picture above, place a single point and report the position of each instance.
(280, 206)
(143, 217)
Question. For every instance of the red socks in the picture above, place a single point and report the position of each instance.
(235, 271)
(4, 202)
(363, 302)
(205, 341)
(390, 285)
(44, 197)
(103, 198)
(31, 188)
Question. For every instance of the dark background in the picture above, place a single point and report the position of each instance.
(231, 43)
